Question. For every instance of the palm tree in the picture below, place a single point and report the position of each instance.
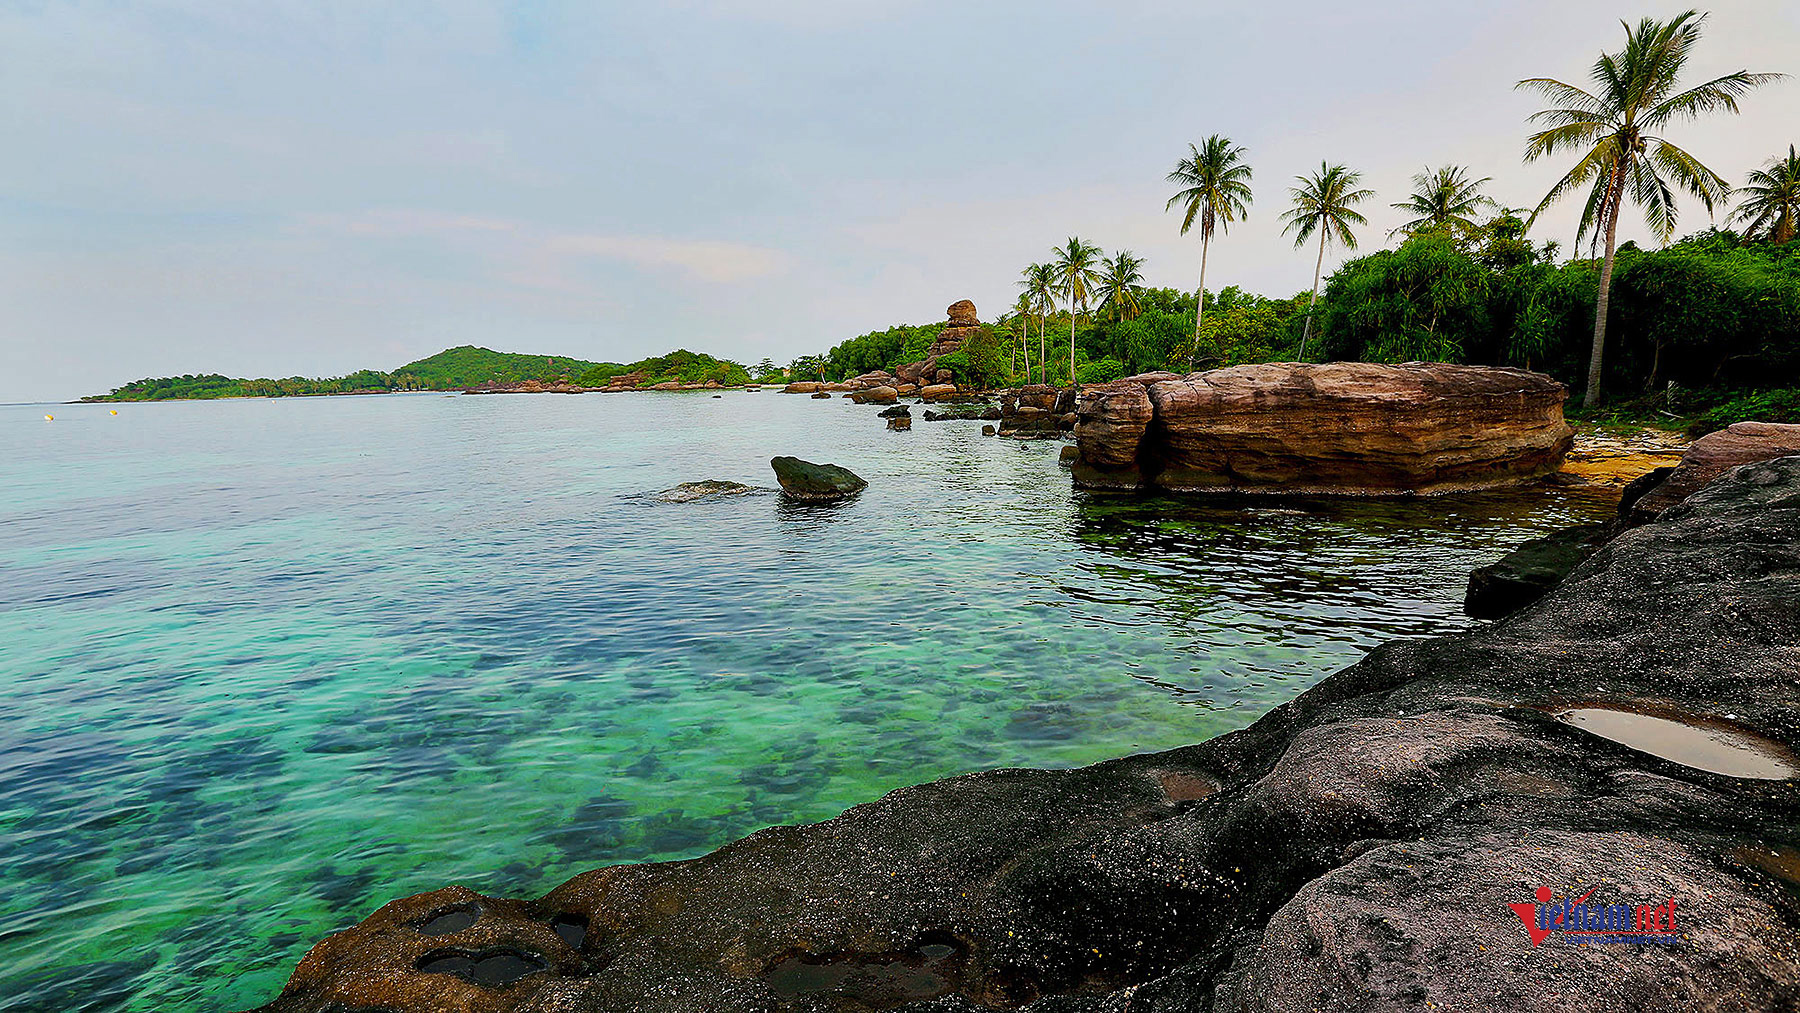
(1215, 191)
(1023, 310)
(1323, 203)
(1076, 279)
(1447, 200)
(1613, 133)
(1121, 278)
(1040, 285)
(1772, 199)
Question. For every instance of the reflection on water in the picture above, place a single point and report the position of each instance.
(271, 663)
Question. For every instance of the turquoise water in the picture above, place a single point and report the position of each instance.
(268, 664)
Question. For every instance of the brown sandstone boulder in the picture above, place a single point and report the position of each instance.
(878, 395)
(667, 385)
(1340, 428)
(937, 392)
(1713, 455)
(802, 387)
(962, 314)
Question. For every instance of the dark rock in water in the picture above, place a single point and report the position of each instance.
(899, 409)
(1067, 456)
(1525, 574)
(815, 482)
(1394, 839)
(988, 430)
(687, 492)
(983, 412)
(821, 394)
(900, 423)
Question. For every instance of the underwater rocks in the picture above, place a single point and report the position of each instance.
(1339, 428)
(712, 488)
(817, 483)
(1380, 843)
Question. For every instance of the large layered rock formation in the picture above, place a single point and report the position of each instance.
(1340, 428)
(963, 326)
(1378, 844)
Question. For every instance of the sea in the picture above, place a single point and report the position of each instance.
(266, 664)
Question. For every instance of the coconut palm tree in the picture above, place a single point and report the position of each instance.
(1076, 279)
(1022, 311)
(1324, 202)
(1772, 199)
(1613, 132)
(1447, 200)
(1039, 283)
(1121, 279)
(1215, 191)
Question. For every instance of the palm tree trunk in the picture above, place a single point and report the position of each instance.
(1306, 333)
(1071, 335)
(1604, 294)
(1199, 300)
(1043, 349)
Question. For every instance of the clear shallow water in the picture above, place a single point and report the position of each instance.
(269, 664)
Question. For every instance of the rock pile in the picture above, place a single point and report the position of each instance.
(926, 373)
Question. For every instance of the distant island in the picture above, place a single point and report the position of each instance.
(465, 367)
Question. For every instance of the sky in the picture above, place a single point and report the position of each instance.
(309, 187)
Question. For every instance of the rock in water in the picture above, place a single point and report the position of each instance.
(815, 483)
(1338, 428)
(899, 409)
(1711, 456)
(1378, 843)
(900, 423)
(687, 492)
(1528, 572)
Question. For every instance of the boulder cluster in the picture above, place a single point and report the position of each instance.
(923, 379)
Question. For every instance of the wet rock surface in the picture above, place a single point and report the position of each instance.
(1359, 848)
(712, 488)
(1528, 572)
(820, 483)
(1338, 428)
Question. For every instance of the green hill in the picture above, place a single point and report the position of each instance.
(451, 369)
(468, 366)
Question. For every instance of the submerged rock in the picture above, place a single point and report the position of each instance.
(900, 423)
(687, 492)
(1338, 428)
(805, 480)
(1382, 842)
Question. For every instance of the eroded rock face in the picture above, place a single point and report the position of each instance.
(1340, 428)
(1358, 848)
(1709, 457)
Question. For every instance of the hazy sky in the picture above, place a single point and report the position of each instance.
(269, 188)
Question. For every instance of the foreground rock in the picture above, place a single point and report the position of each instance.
(1360, 848)
(816, 483)
(1711, 456)
(1340, 428)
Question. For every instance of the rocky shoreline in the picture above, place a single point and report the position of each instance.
(1380, 843)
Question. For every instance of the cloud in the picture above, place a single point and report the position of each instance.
(549, 254)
